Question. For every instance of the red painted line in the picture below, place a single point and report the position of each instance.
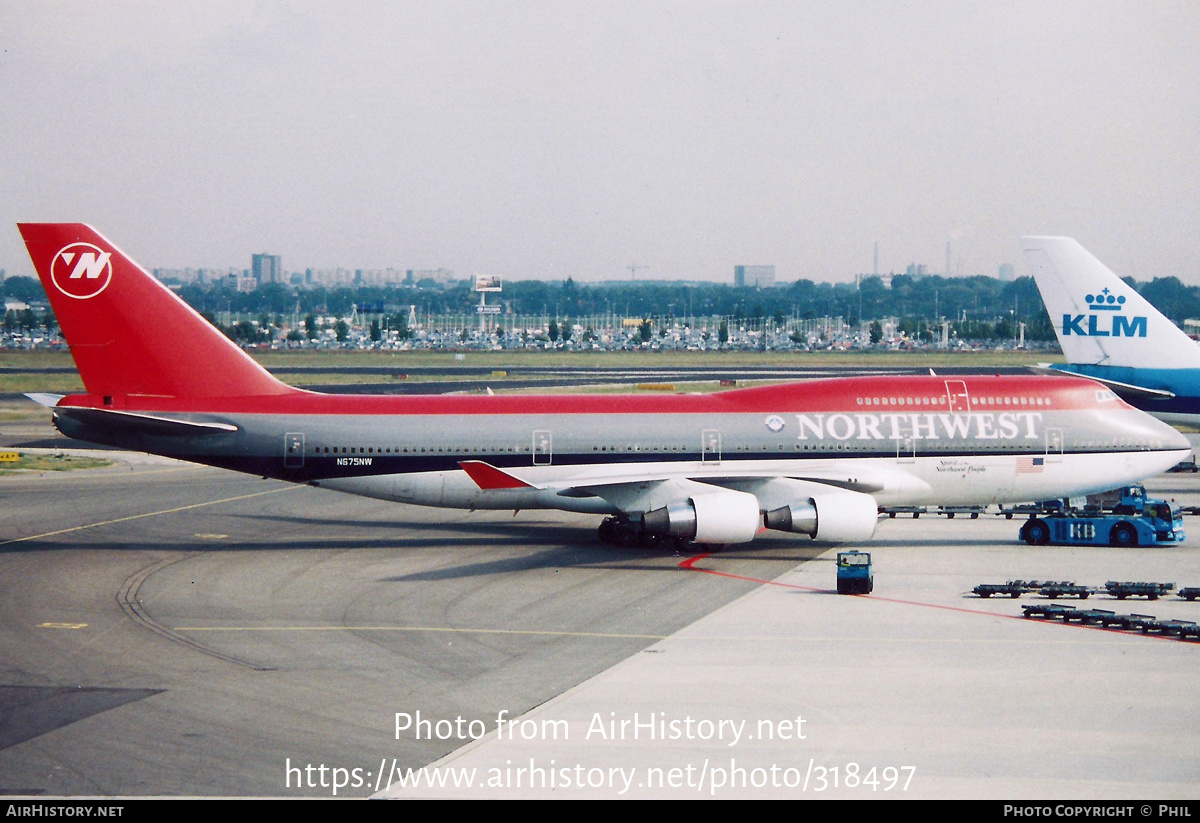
(690, 565)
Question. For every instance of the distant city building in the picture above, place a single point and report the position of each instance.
(761, 277)
(267, 268)
(329, 277)
(1006, 272)
(190, 275)
(380, 277)
(443, 277)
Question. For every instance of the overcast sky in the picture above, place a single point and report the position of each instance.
(547, 140)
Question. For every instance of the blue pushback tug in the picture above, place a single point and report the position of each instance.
(1124, 517)
(854, 575)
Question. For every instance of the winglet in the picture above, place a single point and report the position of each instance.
(487, 476)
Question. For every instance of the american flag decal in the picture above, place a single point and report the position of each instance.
(1030, 465)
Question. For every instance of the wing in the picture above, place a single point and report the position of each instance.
(1122, 390)
(831, 502)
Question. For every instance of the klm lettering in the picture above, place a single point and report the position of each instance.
(941, 426)
(1122, 326)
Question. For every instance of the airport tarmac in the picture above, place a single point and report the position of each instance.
(175, 630)
(920, 690)
(171, 630)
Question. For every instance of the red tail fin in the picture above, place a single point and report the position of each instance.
(129, 334)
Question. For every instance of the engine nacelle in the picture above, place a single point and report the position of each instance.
(721, 517)
(839, 517)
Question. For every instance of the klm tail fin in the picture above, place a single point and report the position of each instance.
(129, 334)
(1098, 318)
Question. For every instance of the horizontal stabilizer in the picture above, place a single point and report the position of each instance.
(44, 399)
(143, 423)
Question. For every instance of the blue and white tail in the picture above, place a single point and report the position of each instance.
(1100, 319)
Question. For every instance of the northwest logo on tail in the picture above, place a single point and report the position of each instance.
(1109, 322)
(81, 270)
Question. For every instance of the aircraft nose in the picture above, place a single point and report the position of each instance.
(1176, 439)
(1164, 436)
(1150, 433)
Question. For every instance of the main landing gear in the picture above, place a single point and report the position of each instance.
(622, 531)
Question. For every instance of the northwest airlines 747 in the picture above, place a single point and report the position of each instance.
(816, 458)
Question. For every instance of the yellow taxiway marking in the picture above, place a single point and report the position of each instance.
(62, 625)
(413, 629)
(210, 536)
(147, 514)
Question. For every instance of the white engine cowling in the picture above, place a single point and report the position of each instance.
(839, 517)
(721, 517)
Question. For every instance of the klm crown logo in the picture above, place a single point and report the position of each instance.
(1118, 325)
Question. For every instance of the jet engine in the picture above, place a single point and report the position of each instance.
(840, 517)
(720, 517)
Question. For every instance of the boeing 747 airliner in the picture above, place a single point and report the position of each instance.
(816, 458)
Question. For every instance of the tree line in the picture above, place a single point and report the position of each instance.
(978, 307)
